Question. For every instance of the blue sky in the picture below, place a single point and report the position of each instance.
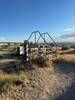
(18, 18)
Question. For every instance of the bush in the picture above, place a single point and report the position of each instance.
(63, 60)
(7, 82)
(65, 48)
(43, 62)
(73, 47)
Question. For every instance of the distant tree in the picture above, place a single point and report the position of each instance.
(9, 44)
(65, 47)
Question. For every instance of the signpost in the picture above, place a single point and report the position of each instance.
(24, 51)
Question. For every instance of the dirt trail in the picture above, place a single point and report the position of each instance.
(48, 83)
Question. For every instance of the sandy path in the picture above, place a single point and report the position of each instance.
(48, 83)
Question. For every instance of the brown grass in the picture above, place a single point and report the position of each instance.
(7, 82)
(43, 62)
(65, 58)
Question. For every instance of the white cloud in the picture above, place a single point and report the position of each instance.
(68, 29)
(2, 38)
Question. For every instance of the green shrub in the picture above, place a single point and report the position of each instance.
(43, 61)
(73, 47)
(65, 48)
(8, 82)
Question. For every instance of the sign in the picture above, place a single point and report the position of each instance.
(22, 50)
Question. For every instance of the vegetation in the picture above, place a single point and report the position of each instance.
(7, 82)
(11, 46)
(63, 60)
(73, 47)
(43, 62)
(65, 48)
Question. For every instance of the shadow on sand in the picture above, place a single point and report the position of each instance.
(64, 67)
(68, 95)
(16, 67)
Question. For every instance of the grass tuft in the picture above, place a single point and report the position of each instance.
(43, 62)
(7, 82)
(65, 48)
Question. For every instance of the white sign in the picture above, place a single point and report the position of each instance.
(22, 50)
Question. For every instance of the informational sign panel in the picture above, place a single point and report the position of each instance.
(22, 50)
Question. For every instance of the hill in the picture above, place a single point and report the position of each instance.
(68, 35)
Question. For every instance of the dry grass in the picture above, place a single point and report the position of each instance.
(43, 62)
(65, 58)
(7, 82)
